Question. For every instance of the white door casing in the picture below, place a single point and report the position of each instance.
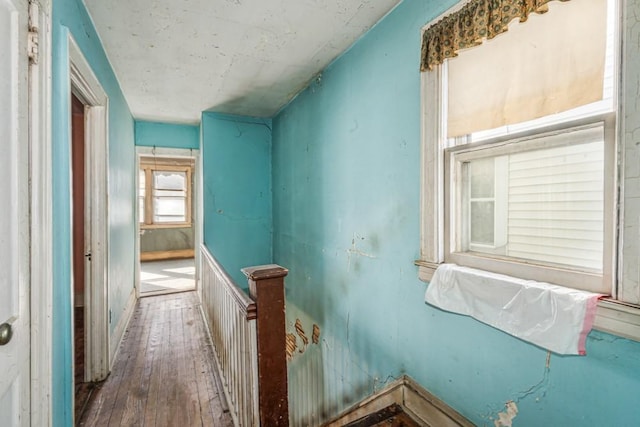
(15, 379)
(86, 86)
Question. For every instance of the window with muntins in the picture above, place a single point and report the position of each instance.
(520, 151)
(164, 193)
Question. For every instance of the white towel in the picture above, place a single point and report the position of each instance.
(553, 317)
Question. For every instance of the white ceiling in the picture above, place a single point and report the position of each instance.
(177, 58)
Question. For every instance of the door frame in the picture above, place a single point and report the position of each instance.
(41, 222)
(88, 89)
(192, 153)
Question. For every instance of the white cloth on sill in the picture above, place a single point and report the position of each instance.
(553, 317)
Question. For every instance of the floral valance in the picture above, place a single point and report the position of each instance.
(474, 22)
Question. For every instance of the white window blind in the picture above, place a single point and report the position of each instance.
(170, 196)
(552, 63)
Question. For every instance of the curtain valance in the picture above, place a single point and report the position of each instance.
(469, 26)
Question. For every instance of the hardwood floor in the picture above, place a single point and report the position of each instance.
(164, 373)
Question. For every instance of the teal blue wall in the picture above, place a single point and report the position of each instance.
(71, 16)
(346, 203)
(236, 165)
(168, 135)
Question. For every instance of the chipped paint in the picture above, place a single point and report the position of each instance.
(298, 341)
(365, 181)
(292, 345)
(505, 419)
(354, 251)
(302, 335)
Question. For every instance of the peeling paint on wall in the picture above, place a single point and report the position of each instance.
(301, 334)
(364, 182)
(505, 419)
(292, 345)
(353, 250)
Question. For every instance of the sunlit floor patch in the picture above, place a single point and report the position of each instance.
(167, 276)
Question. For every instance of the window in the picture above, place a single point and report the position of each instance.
(543, 204)
(164, 193)
(520, 148)
(535, 204)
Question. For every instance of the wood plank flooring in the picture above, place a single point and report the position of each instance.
(164, 373)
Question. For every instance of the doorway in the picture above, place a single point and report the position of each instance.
(80, 252)
(167, 231)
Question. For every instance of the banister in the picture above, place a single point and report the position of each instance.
(231, 317)
(248, 335)
(266, 287)
(245, 303)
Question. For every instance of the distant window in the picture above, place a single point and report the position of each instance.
(164, 195)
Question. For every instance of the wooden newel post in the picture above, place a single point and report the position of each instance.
(266, 288)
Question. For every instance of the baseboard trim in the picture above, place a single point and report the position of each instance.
(162, 255)
(428, 408)
(415, 400)
(121, 327)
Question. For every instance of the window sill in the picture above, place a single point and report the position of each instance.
(426, 269)
(613, 317)
(618, 318)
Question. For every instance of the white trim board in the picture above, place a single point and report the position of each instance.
(41, 222)
(199, 216)
(121, 327)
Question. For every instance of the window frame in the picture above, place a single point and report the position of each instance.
(149, 166)
(613, 315)
(499, 201)
(529, 269)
